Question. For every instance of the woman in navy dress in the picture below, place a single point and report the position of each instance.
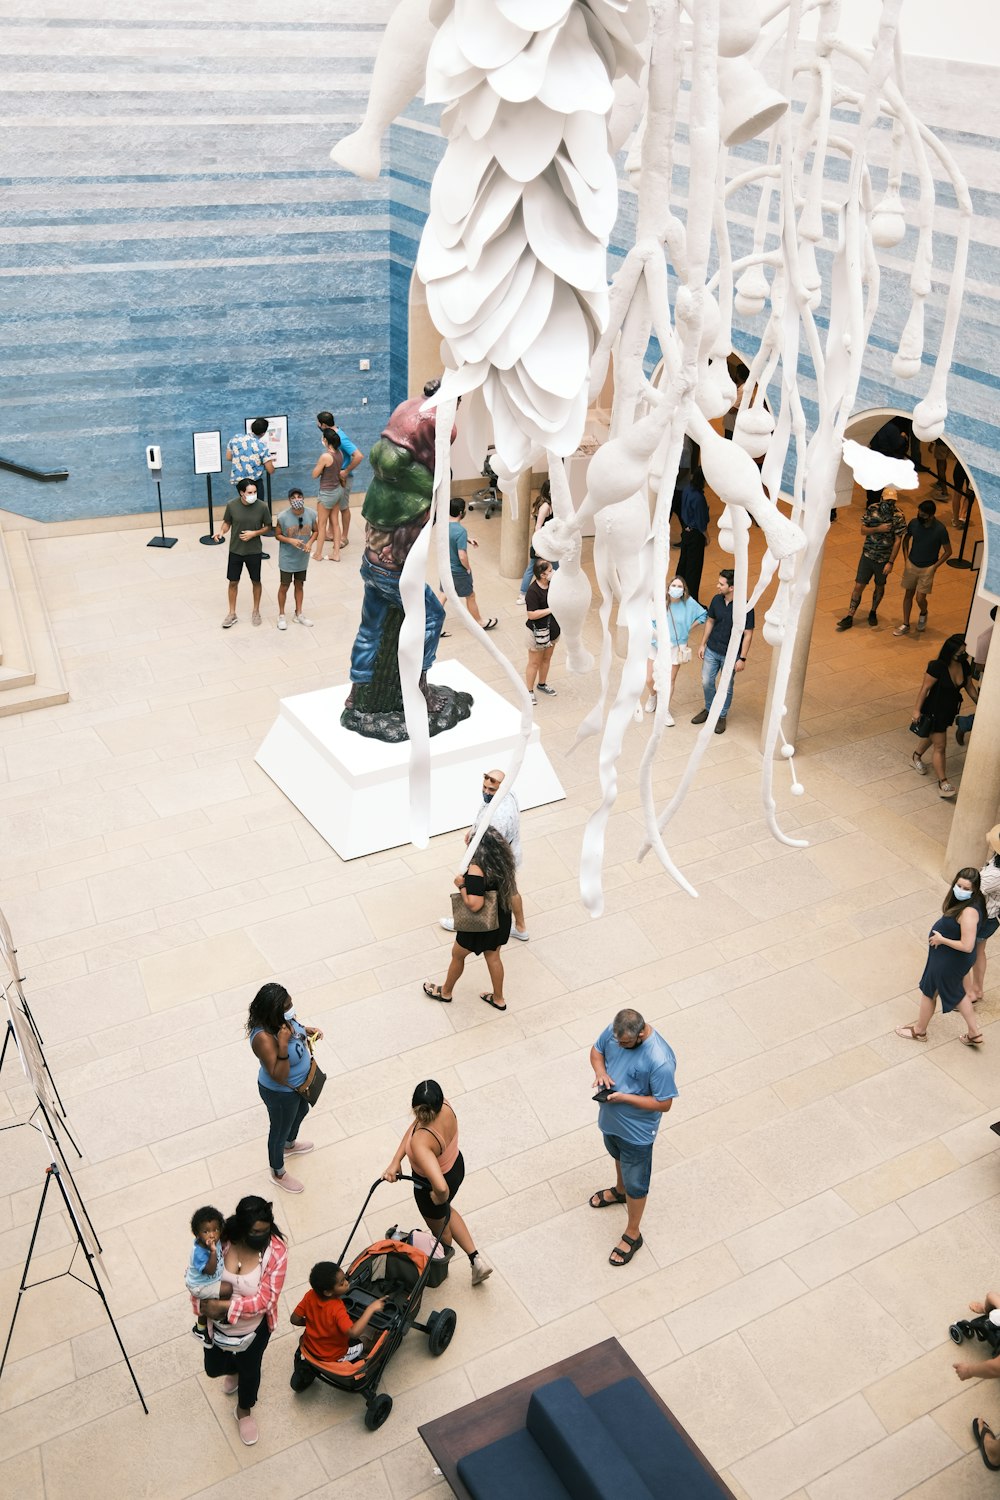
(951, 954)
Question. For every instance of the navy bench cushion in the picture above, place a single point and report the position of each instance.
(590, 1460)
(655, 1448)
(511, 1467)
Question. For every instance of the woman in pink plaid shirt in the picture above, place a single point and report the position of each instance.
(254, 1262)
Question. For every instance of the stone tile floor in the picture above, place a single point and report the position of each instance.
(825, 1197)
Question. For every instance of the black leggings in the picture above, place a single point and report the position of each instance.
(246, 1365)
(430, 1210)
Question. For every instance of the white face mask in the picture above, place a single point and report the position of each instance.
(960, 893)
(675, 591)
(290, 1013)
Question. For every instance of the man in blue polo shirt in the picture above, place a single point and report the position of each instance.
(715, 644)
(636, 1067)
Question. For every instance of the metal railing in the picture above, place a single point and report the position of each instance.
(44, 476)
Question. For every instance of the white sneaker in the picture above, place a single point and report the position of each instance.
(301, 620)
(520, 599)
(481, 1268)
(448, 923)
(229, 621)
(516, 932)
(669, 720)
(255, 617)
(651, 704)
(282, 623)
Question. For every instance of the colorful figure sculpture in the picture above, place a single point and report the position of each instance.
(397, 507)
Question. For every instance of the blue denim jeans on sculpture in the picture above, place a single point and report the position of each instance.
(710, 668)
(381, 595)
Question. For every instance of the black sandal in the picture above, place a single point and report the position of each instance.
(602, 1202)
(979, 1427)
(490, 1001)
(624, 1257)
(435, 992)
(491, 624)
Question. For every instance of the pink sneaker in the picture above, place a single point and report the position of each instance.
(288, 1182)
(248, 1428)
(298, 1148)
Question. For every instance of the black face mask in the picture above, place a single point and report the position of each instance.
(258, 1241)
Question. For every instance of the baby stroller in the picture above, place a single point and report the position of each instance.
(398, 1271)
(489, 498)
(981, 1327)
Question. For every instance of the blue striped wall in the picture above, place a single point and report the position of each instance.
(177, 251)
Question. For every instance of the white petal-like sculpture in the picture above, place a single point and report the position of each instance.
(873, 471)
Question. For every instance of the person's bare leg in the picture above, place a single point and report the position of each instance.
(938, 756)
(968, 1015)
(298, 594)
(545, 663)
(473, 609)
(495, 965)
(282, 596)
(233, 590)
(456, 1229)
(255, 590)
(455, 967)
(649, 677)
(345, 523)
(922, 605)
(989, 1302)
(975, 980)
(322, 518)
(531, 671)
(517, 911)
(634, 1207)
(335, 527)
(907, 605)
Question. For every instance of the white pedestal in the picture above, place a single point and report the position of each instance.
(355, 792)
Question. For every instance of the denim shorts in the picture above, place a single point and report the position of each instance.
(987, 929)
(635, 1161)
(463, 583)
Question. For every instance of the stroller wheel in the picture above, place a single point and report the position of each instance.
(378, 1411)
(440, 1330)
(956, 1332)
(981, 1335)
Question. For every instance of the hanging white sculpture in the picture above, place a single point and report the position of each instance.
(537, 94)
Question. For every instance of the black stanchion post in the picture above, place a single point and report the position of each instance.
(162, 540)
(211, 540)
(961, 561)
(270, 512)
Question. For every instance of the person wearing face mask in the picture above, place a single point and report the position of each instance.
(937, 705)
(255, 1261)
(280, 1043)
(246, 518)
(505, 819)
(951, 954)
(989, 884)
(926, 545)
(683, 613)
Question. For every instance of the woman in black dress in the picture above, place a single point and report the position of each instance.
(492, 869)
(939, 699)
(544, 629)
(951, 954)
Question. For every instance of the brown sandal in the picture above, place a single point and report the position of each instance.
(972, 1041)
(911, 1034)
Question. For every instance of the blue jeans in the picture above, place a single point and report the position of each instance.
(711, 666)
(964, 723)
(381, 595)
(635, 1161)
(285, 1113)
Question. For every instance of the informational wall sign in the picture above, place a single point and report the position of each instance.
(207, 452)
(277, 438)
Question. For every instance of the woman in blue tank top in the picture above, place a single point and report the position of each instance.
(279, 1042)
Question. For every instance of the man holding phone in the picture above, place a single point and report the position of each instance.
(634, 1076)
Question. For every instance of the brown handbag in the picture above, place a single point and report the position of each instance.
(486, 919)
(313, 1084)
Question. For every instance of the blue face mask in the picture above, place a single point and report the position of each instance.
(290, 1013)
(960, 894)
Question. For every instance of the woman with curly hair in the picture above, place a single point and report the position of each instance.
(253, 1266)
(280, 1043)
(952, 953)
(492, 869)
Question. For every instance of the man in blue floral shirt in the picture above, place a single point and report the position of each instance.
(250, 453)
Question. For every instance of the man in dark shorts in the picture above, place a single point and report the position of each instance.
(634, 1070)
(246, 519)
(926, 546)
(882, 526)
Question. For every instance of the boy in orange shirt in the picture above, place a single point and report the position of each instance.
(330, 1334)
